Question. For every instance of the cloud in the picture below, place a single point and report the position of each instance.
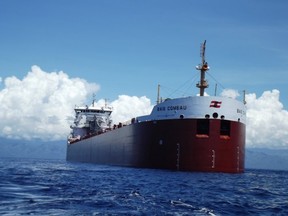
(39, 105)
(127, 107)
(231, 93)
(267, 121)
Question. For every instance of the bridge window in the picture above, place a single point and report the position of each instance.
(225, 128)
(203, 126)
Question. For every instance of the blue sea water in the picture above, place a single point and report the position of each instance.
(56, 187)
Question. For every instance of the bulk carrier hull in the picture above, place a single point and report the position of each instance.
(201, 133)
(166, 144)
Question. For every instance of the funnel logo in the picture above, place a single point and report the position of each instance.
(215, 104)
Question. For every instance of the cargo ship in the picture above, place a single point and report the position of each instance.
(196, 133)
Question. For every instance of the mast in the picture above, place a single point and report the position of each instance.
(203, 67)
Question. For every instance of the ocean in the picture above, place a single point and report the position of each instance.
(57, 187)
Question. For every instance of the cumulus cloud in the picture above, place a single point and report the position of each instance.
(231, 93)
(267, 121)
(127, 107)
(39, 105)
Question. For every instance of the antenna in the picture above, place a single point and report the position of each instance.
(203, 67)
(244, 97)
(202, 52)
(106, 102)
(158, 94)
(93, 102)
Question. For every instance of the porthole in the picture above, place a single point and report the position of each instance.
(181, 116)
(222, 117)
(207, 116)
(215, 115)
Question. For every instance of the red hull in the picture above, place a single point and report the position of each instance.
(167, 144)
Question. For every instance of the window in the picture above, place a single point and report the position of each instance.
(203, 126)
(225, 128)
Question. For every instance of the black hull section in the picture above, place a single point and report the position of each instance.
(166, 144)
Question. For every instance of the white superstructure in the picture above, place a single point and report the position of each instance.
(198, 107)
(90, 120)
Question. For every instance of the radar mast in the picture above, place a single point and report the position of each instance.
(203, 67)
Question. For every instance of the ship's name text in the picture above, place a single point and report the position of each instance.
(241, 111)
(172, 108)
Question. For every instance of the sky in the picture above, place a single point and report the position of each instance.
(56, 54)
